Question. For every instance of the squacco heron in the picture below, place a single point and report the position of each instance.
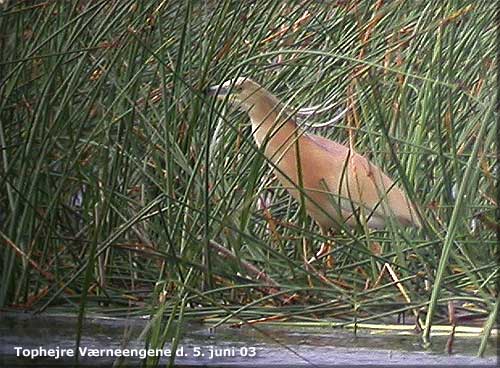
(337, 185)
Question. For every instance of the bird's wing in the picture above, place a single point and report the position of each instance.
(332, 147)
(364, 184)
(380, 193)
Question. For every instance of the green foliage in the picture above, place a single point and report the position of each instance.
(118, 172)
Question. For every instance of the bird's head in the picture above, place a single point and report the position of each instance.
(242, 92)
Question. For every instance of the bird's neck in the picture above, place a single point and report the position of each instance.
(270, 121)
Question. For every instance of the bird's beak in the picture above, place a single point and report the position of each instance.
(218, 91)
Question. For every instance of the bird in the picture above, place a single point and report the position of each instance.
(339, 187)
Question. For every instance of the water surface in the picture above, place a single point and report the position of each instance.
(244, 347)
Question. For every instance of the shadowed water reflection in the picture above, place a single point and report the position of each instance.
(269, 346)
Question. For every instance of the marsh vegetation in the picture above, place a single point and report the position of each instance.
(121, 182)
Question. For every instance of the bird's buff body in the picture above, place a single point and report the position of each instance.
(339, 186)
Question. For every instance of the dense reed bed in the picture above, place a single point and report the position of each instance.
(125, 190)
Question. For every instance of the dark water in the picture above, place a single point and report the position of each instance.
(245, 347)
